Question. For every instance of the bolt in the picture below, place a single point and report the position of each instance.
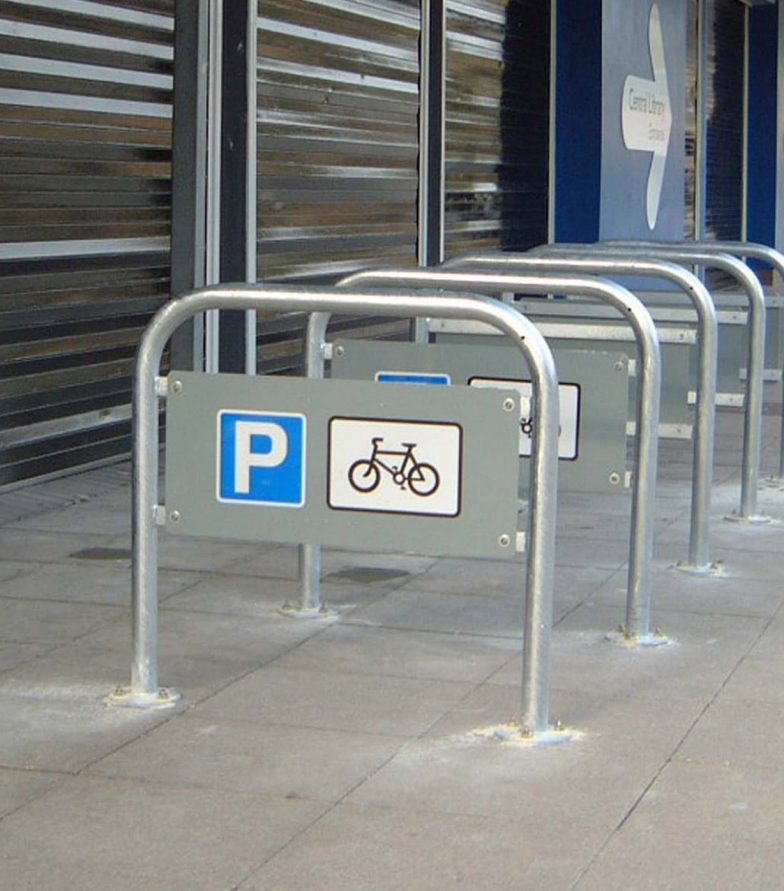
(174, 516)
(614, 478)
(509, 404)
(340, 350)
(176, 387)
(504, 540)
(620, 365)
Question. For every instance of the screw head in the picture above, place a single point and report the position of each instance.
(174, 516)
(176, 387)
(614, 478)
(620, 365)
(340, 350)
(504, 540)
(509, 404)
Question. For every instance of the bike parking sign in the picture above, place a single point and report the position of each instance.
(403, 467)
(343, 464)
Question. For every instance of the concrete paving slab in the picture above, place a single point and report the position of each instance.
(83, 665)
(207, 554)
(701, 827)
(283, 562)
(271, 760)
(91, 832)
(756, 565)
(64, 730)
(20, 787)
(579, 795)
(757, 680)
(447, 613)
(388, 849)
(771, 643)
(572, 550)
(335, 701)
(739, 733)
(215, 635)
(610, 729)
(102, 581)
(673, 591)
(727, 537)
(97, 519)
(44, 621)
(702, 653)
(12, 655)
(11, 570)
(255, 597)
(394, 653)
(489, 578)
(26, 546)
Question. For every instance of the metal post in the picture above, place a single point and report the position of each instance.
(432, 140)
(144, 690)
(699, 560)
(638, 601)
(311, 605)
(707, 259)
(743, 250)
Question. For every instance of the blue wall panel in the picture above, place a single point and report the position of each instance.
(578, 120)
(763, 101)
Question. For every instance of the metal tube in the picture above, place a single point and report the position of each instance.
(699, 560)
(752, 420)
(544, 462)
(638, 600)
(310, 554)
(749, 250)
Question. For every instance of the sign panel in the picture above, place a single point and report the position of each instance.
(643, 119)
(395, 466)
(593, 395)
(568, 412)
(352, 464)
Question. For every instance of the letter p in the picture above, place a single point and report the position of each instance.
(246, 457)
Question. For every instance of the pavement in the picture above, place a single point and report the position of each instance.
(376, 748)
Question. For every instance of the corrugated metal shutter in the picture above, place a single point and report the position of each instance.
(724, 119)
(497, 130)
(85, 148)
(338, 103)
(690, 183)
(338, 136)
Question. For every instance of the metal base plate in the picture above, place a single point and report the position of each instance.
(708, 570)
(312, 612)
(753, 520)
(657, 639)
(127, 697)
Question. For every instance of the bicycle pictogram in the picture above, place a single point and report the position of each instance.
(420, 477)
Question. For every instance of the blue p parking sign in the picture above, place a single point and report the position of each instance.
(261, 458)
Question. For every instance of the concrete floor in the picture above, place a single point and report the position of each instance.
(360, 752)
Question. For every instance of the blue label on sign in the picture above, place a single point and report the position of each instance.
(261, 458)
(412, 377)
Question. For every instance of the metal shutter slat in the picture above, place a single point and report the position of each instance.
(85, 177)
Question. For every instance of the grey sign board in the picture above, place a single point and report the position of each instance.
(593, 392)
(343, 463)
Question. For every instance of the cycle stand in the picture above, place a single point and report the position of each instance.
(199, 467)
(699, 559)
(638, 602)
(743, 250)
(752, 418)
